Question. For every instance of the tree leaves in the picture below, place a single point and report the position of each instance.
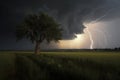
(39, 27)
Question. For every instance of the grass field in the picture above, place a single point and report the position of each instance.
(84, 65)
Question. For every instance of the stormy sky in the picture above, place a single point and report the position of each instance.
(71, 14)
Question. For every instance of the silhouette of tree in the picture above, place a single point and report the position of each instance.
(38, 28)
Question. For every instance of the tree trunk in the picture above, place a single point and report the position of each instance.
(37, 48)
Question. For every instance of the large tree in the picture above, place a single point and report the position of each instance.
(37, 28)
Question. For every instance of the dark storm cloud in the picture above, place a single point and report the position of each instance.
(70, 13)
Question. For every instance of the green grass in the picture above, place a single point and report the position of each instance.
(6, 65)
(103, 57)
(60, 65)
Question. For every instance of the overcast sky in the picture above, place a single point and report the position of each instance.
(70, 13)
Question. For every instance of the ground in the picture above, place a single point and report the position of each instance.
(84, 65)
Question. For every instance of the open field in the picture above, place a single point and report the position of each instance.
(84, 65)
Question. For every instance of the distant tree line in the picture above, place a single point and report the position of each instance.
(117, 48)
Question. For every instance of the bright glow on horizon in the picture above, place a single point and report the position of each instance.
(72, 44)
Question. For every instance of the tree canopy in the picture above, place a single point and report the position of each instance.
(38, 28)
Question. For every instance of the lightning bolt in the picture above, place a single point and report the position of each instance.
(91, 39)
(89, 33)
(95, 21)
(90, 36)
